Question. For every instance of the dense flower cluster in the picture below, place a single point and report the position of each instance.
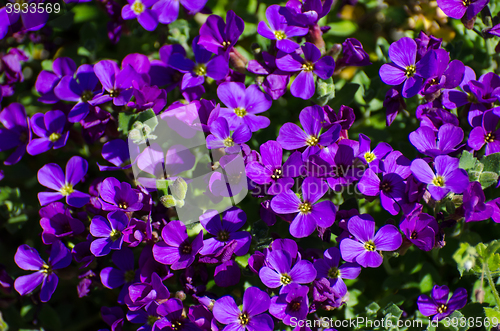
(124, 228)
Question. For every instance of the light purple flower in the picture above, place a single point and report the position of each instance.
(439, 305)
(449, 137)
(108, 232)
(51, 130)
(140, 9)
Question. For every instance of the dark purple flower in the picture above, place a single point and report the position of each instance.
(48, 80)
(405, 67)
(116, 195)
(112, 316)
(16, 132)
(80, 90)
(221, 136)
(57, 222)
(449, 137)
(372, 157)
(279, 271)
(280, 30)
(421, 229)
(353, 54)
(27, 258)
(51, 128)
(108, 232)
(206, 64)
(52, 176)
(243, 105)
(141, 295)
(312, 64)
(448, 177)
(453, 98)
(448, 74)
(117, 153)
(140, 9)
(308, 12)
(176, 249)
(394, 103)
(366, 247)
(225, 230)
(117, 83)
(292, 302)
(148, 317)
(396, 168)
(173, 317)
(125, 274)
(168, 10)
(227, 274)
(458, 8)
(31, 21)
(487, 133)
(438, 305)
(251, 317)
(311, 118)
(328, 267)
(148, 97)
(309, 213)
(219, 37)
(271, 170)
(473, 203)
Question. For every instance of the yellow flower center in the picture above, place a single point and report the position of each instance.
(285, 279)
(312, 141)
(490, 137)
(442, 309)
(226, 44)
(438, 181)
(369, 246)
(200, 70)
(176, 325)
(67, 189)
(305, 208)
(115, 234)
(86, 96)
(186, 248)
(277, 174)
(244, 319)
(280, 35)
(369, 157)
(54, 137)
(46, 269)
(138, 7)
(308, 66)
(241, 112)
(114, 93)
(123, 205)
(333, 272)
(467, 3)
(410, 70)
(228, 142)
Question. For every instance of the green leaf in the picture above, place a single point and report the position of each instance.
(179, 33)
(426, 283)
(494, 262)
(345, 96)
(492, 314)
(488, 178)
(325, 91)
(481, 250)
(3, 325)
(467, 161)
(492, 163)
(372, 308)
(148, 117)
(458, 316)
(125, 121)
(342, 28)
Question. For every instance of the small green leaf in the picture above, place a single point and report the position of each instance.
(342, 28)
(458, 316)
(492, 163)
(467, 161)
(372, 308)
(492, 314)
(488, 178)
(325, 91)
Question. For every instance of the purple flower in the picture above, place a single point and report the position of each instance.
(329, 268)
(175, 249)
(52, 176)
(421, 229)
(278, 270)
(438, 304)
(168, 10)
(251, 317)
(394, 103)
(80, 90)
(221, 136)
(312, 64)
(486, 133)
(144, 294)
(448, 177)
(271, 170)
(448, 74)
(50, 127)
(309, 213)
(372, 157)
(117, 83)
(108, 232)
(15, 133)
(405, 67)
(458, 8)
(353, 54)
(48, 80)
(391, 188)
(27, 258)
(449, 137)
(292, 137)
(119, 196)
(365, 248)
(292, 302)
(149, 97)
(243, 105)
(112, 316)
(140, 9)
(219, 37)
(308, 12)
(125, 274)
(117, 153)
(172, 317)
(225, 230)
(279, 29)
(57, 222)
(473, 203)
(206, 64)
(31, 21)
(148, 317)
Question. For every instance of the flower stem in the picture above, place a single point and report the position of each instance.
(492, 284)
